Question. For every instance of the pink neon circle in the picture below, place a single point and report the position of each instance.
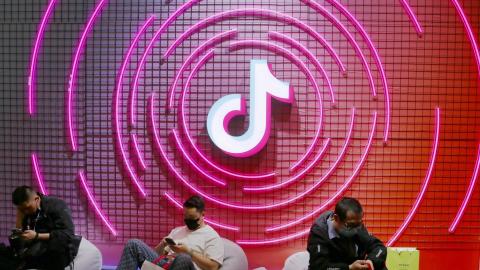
(285, 18)
(425, 184)
(263, 13)
(116, 110)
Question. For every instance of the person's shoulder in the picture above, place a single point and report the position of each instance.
(52, 202)
(178, 229)
(207, 229)
(320, 226)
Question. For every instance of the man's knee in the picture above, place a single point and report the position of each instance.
(133, 244)
(183, 258)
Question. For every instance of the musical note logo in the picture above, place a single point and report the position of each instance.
(263, 87)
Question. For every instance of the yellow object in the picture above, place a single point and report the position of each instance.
(400, 258)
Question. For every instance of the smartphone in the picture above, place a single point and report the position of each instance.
(170, 242)
(17, 231)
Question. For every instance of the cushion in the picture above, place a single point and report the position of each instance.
(234, 258)
(297, 261)
(88, 256)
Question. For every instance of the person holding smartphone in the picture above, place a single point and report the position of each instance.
(195, 246)
(45, 227)
(339, 240)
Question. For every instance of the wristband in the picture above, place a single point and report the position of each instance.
(36, 236)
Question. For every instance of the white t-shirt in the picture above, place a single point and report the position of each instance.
(205, 241)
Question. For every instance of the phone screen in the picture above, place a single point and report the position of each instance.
(170, 241)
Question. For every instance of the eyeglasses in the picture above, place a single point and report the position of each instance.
(350, 226)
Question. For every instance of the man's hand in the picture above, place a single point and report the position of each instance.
(180, 248)
(28, 235)
(161, 246)
(358, 265)
(369, 264)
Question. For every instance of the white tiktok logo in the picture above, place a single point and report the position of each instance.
(263, 86)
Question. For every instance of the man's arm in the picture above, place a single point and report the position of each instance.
(202, 261)
(320, 256)
(62, 232)
(376, 250)
(160, 248)
(33, 235)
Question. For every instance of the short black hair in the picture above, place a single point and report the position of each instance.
(347, 204)
(22, 194)
(195, 202)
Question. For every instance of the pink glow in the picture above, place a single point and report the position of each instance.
(425, 184)
(136, 147)
(73, 74)
(192, 161)
(293, 58)
(376, 56)
(413, 18)
(38, 174)
(116, 110)
(296, 44)
(92, 200)
(155, 37)
(476, 52)
(208, 197)
(274, 240)
(342, 189)
(198, 51)
(297, 177)
(268, 14)
(133, 93)
(36, 48)
(211, 222)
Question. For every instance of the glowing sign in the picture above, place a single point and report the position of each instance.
(263, 87)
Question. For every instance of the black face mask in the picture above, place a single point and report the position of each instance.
(348, 233)
(192, 224)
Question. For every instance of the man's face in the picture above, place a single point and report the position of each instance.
(194, 217)
(352, 221)
(30, 206)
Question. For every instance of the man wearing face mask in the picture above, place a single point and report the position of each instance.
(197, 246)
(46, 226)
(339, 241)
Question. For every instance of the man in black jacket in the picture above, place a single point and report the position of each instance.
(339, 241)
(47, 224)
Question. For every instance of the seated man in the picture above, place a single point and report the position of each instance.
(45, 224)
(196, 246)
(339, 241)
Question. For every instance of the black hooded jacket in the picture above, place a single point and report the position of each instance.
(337, 253)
